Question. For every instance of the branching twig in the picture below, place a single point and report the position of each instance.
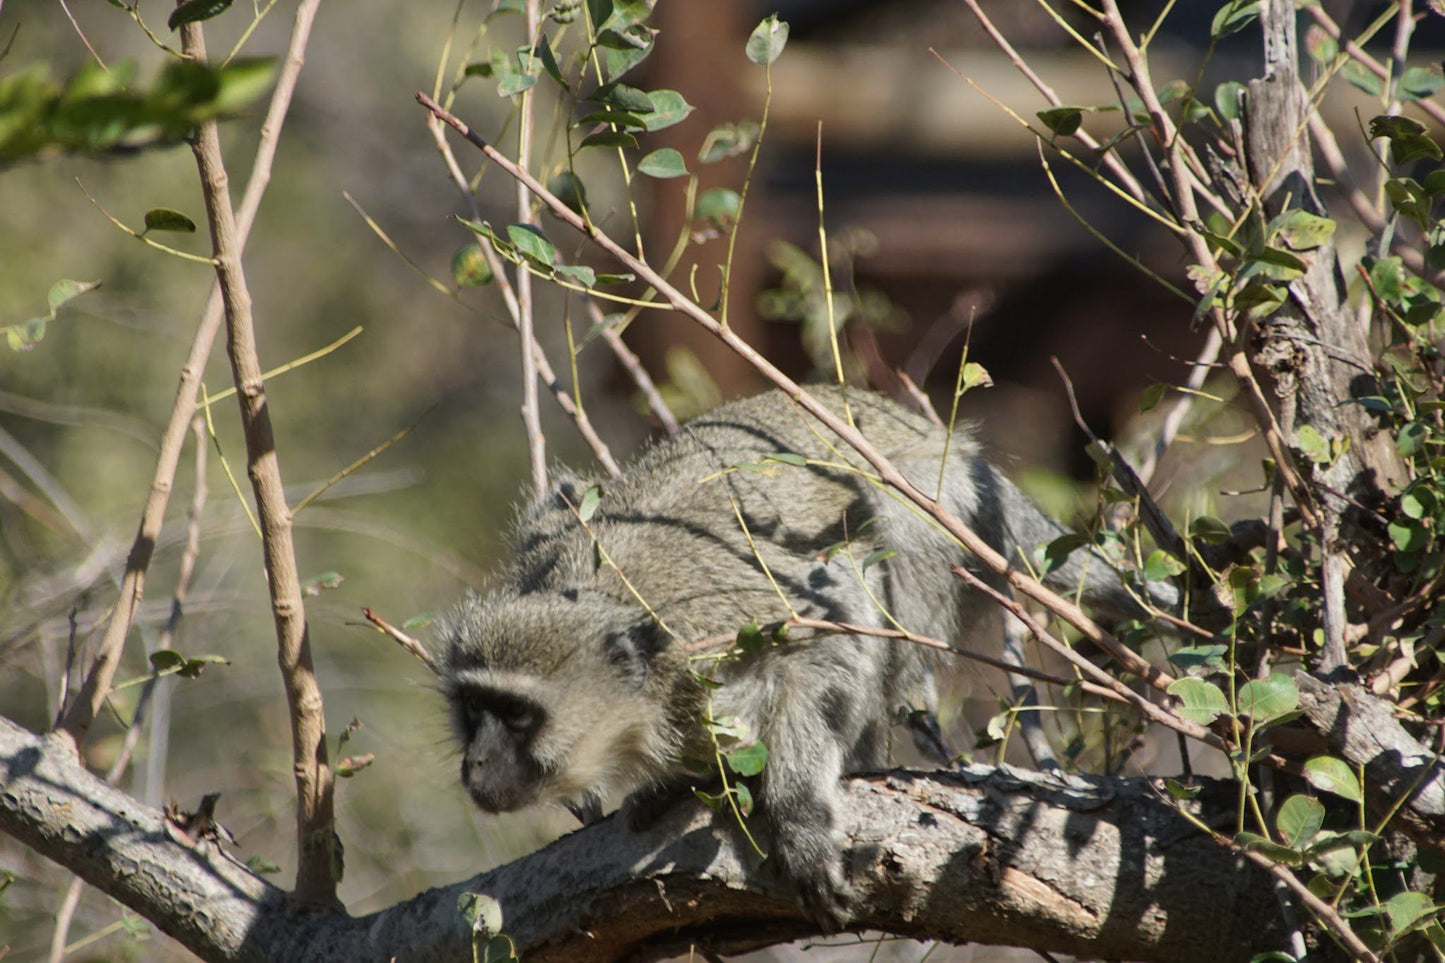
(408, 642)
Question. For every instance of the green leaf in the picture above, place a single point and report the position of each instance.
(1056, 552)
(470, 268)
(748, 760)
(66, 290)
(418, 621)
(1178, 790)
(1233, 17)
(975, 375)
(1419, 83)
(25, 336)
(166, 660)
(194, 11)
(1362, 78)
(1407, 137)
(580, 273)
(1299, 819)
(568, 188)
(767, 41)
(1201, 701)
(1160, 565)
(623, 97)
(1062, 121)
(1257, 843)
(549, 61)
(617, 118)
(634, 36)
(261, 865)
(482, 913)
(1209, 530)
(718, 204)
(1328, 774)
(351, 765)
(876, 556)
(1209, 656)
(587, 506)
(532, 244)
(1152, 396)
(1313, 445)
(788, 458)
(608, 138)
(1304, 231)
(1409, 536)
(668, 108)
(241, 81)
(663, 163)
(751, 638)
(1407, 908)
(166, 219)
(727, 140)
(1227, 97)
(317, 583)
(1265, 700)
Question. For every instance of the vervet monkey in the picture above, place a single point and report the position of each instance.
(577, 678)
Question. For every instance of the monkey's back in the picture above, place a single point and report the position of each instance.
(709, 527)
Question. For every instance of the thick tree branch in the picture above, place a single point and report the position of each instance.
(1096, 867)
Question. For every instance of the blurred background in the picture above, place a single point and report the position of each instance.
(945, 230)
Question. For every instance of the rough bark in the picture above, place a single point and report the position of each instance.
(1103, 868)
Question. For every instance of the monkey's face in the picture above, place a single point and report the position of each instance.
(548, 699)
(499, 731)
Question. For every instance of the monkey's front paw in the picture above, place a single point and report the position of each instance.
(811, 862)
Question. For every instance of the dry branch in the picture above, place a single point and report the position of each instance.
(316, 842)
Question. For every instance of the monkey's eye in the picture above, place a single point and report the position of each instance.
(517, 715)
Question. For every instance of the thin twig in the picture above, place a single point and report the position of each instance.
(1127, 659)
(1151, 711)
(150, 694)
(1111, 159)
(531, 414)
(405, 641)
(509, 298)
(1429, 106)
(633, 365)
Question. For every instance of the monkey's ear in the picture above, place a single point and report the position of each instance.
(632, 649)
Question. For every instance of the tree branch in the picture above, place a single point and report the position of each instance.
(316, 839)
(1089, 866)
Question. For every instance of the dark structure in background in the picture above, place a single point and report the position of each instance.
(951, 188)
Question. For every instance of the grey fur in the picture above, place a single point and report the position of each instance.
(565, 687)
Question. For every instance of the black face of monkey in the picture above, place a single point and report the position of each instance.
(498, 730)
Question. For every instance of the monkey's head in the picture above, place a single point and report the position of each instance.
(557, 696)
